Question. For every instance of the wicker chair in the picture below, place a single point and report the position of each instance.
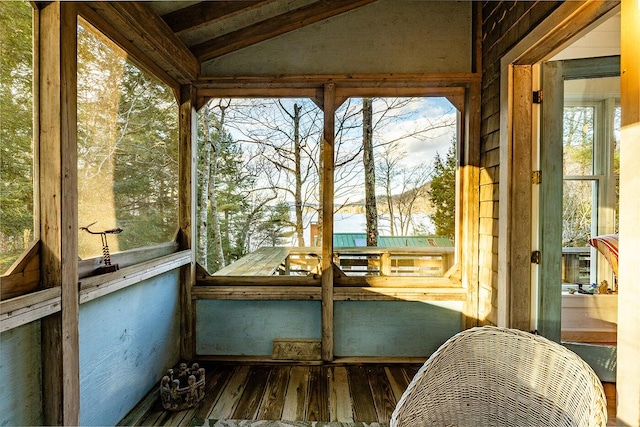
(493, 376)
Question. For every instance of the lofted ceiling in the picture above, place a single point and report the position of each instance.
(214, 28)
(188, 42)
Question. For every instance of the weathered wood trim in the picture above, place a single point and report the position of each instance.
(570, 21)
(397, 282)
(144, 29)
(98, 286)
(313, 293)
(59, 210)
(396, 294)
(112, 37)
(267, 360)
(259, 281)
(28, 308)
(377, 80)
(518, 204)
(254, 293)
(327, 221)
(24, 275)
(206, 13)
(338, 361)
(273, 27)
(469, 205)
(188, 167)
(36, 305)
(628, 386)
(127, 258)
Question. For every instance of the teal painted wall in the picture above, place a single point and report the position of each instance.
(394, 328)
(127, 341)
(248, 328)
(362, 328)
(21, 376)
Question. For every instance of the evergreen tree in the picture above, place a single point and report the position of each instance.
(443, 191)
(16, 131)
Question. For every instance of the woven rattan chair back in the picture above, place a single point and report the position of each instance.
(491, 376)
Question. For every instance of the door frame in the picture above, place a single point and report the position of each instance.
(519, 298)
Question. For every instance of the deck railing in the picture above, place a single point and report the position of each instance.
(373, 261)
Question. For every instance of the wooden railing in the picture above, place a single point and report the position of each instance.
(351, 261)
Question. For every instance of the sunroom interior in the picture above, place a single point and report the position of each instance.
(120, 110)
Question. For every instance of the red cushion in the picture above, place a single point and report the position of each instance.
(607, 244)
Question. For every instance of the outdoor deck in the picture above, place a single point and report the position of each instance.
(352, 261)
(357, 392)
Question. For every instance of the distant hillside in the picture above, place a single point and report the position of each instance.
(421, 206)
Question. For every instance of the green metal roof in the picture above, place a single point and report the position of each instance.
(342, 240)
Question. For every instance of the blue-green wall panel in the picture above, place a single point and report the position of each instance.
(127, 341)
(21, 376)
(394, 328)
(248, 328)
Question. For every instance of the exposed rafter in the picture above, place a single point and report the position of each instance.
(208, 12)
(273, 27)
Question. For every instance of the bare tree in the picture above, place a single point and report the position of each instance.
(404, 188)
(287, 135)
(371, 211)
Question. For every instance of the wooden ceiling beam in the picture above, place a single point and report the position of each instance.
(273, 27)
(205, 13)
(150, 34)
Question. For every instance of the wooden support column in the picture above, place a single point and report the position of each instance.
(187, 211)
(327, 221)
(519, 202)
(628, 386)
(470, 204)
(59, 211)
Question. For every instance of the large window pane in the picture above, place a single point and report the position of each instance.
(395, 186)
(127, 149)
(16, 131)
(258, 183)
(578, 140)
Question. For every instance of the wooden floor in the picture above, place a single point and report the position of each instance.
(275, 392)
(364, 393)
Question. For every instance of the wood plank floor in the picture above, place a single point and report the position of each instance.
(367, 392)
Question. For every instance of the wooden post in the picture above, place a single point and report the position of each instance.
(628, 386)
(327, 222)
(188, 157)
(470, 204)
(59, 210)
(519, 204)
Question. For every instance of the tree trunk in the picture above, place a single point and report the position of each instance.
(298, 160)
(218, 255)
(203, 196)
(369, 173)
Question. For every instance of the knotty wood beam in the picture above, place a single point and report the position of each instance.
(273, 27)
(142, 27)
(327, 221)
(188, 158)
(208, 12)
(59, 210)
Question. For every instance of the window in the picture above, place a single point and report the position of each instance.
(16, 131)
(395, 186)
(591, 170)
(259, 186)
(127, 149)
